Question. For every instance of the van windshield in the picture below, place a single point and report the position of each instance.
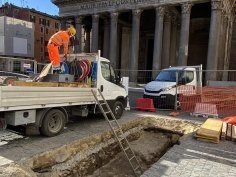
(167, 76)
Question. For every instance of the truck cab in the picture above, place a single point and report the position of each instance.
(171, 82)
(104, 78)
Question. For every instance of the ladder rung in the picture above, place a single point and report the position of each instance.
(113, 120)
(122, 138)
(137, 168)
(131, 158)
(127, 148)
(118, 132)
(102, 104)
(108, 112)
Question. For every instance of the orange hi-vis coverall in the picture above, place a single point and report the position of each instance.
(58, 39)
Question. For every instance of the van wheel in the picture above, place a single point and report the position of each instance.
(118, 109)
(53, 122)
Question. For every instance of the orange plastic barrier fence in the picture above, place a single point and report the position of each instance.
(224, 98)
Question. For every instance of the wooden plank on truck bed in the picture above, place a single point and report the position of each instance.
(35, 84)
(50, 84)
(73, 84)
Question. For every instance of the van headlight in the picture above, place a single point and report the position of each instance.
(167, 89)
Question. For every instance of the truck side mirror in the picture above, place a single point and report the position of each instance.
(118, 79)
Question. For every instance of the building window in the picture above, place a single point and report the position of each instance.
(32, 18)
(47, 23)
(41, 49)
(16, 66)
(41, 29)
(56, 25)
(42, 21)
(46, 31)
(41, 40)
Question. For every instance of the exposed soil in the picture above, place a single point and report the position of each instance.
(99, 155)
(149, 147)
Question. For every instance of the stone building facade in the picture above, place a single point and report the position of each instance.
(154, 34)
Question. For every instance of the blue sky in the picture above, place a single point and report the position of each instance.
(41, 5)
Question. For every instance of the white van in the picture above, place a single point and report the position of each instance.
(163, 90)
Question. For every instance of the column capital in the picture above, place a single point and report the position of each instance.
(78, 19)
(136, 12)
(95, 17)
(167, 16)
(186, 8)
(160, 11)
(114, 16)
(216, 4)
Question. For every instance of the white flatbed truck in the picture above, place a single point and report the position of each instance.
(48, 108)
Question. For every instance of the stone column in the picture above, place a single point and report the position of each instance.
(82, 45)
(166, 41)
(214, 39)
(173, 52)
(106, 38)
(113, 40)
(62, 24)
(78, 36)
(135, 44)
(95, 25)
(157, 51)
(125, 49)
(87, 39)
(184, 34)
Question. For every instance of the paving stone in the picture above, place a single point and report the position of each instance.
(200, 159)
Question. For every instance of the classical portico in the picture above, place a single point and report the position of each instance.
(150, 35)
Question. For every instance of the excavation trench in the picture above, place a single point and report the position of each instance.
(100, 155)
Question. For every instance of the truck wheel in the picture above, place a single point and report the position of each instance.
(118, 109)
(53, 122)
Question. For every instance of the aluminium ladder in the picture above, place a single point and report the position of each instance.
(116, 129)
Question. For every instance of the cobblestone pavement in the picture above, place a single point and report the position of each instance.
(196, 159)
(190, 158)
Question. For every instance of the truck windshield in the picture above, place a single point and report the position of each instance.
(167, 76)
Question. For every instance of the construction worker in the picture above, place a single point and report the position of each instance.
(61, 38)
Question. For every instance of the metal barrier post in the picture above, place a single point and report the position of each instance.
(176, 93)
